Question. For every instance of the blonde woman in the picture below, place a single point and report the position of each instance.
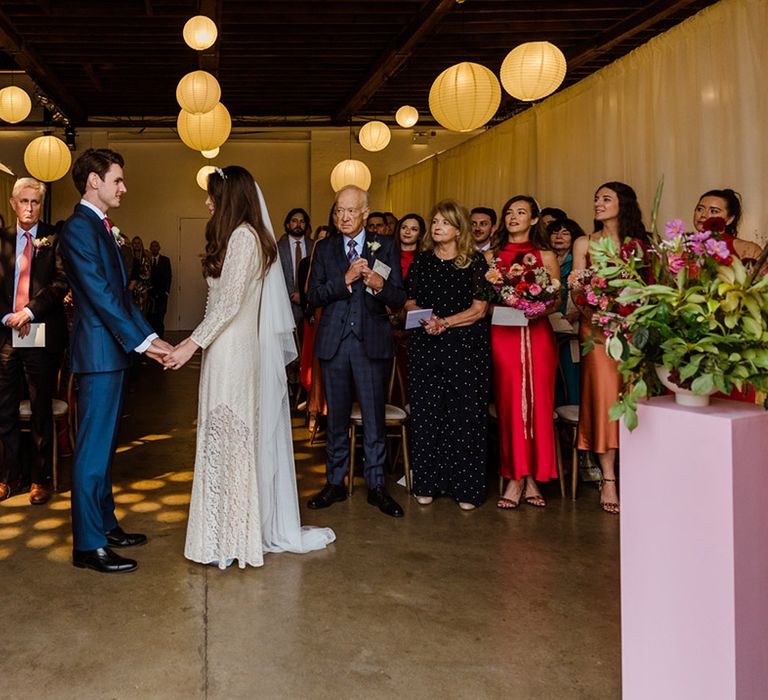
(449, 362)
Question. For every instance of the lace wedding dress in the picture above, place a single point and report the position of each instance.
(244, 497)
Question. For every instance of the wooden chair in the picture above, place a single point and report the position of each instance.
(395, 421)
(61, 414)
(568, 416)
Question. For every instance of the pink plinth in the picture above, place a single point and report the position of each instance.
(694, 552)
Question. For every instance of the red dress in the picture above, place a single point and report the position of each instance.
(524, 369)
(406, 258)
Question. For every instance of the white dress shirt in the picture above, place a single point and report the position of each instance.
(293, 240)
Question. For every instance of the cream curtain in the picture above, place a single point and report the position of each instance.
(690, 105)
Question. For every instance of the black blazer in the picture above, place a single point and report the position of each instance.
(48, 286)
(160, 277)
(328, 290)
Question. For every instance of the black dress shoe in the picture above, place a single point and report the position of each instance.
(330, 494)
(384, 502)
(103, 560)
(118, 538)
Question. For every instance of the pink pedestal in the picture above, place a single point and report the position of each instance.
(694, 552)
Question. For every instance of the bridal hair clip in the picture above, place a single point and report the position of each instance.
(219, 171)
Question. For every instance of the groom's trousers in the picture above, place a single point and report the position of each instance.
(100, 400)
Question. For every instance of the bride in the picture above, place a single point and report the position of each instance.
(244, 499)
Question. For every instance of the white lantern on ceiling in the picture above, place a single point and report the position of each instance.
(200, 32)
(203, 132)
(210, 154)
(47, 158)
(350, 172)
(198, 92)
(15, 104)
(464, 97)
(375, 136)
(407, 116)
(202, 176)
(533, 70)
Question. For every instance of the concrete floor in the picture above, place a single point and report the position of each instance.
(441, 603)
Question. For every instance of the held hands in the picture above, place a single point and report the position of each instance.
(18, 321)
(158, 349)
(356, 270)
(435, 325)
(181, 354)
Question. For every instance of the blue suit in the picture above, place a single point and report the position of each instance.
(107, 328)
(355, 348)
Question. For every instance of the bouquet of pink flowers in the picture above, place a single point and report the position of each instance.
(526, 285)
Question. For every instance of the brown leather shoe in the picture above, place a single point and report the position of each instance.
(5, 491)
(39, 494)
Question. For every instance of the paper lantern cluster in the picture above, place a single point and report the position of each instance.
(532, 71)
(47, 158)
(15, 104)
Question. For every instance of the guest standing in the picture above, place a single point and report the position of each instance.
(410, 233)
(160, 288)
(562, 233)
(141, 274)
(618, 216)
(524, 366)
(293, 247)
(726, 204)
(448, 359)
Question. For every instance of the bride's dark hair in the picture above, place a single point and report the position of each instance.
(235, 201)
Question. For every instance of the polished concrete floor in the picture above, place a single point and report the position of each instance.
(439, 604)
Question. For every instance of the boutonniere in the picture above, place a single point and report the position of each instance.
(373, 246)
(39, 243)
(118, 236)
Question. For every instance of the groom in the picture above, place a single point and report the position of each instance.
(106, 329)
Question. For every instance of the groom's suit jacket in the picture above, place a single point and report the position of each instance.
(328, 290)
(47, 286)
(107, 325)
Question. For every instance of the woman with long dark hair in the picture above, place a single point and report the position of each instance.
(244, 499)
(617, 216)
(726, 204)
(525, 365)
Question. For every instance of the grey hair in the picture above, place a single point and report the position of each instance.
(24, 182)
(355, 188)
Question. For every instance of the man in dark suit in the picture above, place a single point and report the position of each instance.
(354, 342)
(107, 328)
(292, 248)
(160, 279)
(32, 288)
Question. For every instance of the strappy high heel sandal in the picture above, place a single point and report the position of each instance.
(608, 506)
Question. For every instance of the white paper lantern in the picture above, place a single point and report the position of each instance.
(200, 32)
(210, 154)
(464, 97)
(198, 92)
(350, 172)
(533, 70)
(47, 158)
(203, 132)
(202, 176)
(15, 104)
(407, 116)
(375, 136)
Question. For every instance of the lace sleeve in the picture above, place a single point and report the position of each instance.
(241, 264)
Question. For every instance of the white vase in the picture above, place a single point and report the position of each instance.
(685, 397)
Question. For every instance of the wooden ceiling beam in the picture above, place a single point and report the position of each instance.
(29, 61)
(395, 56)
(209, 59)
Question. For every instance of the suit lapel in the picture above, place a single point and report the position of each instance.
(112, 246)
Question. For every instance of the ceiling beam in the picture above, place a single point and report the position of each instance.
(639, 21)
(29, 61)
(394, 57)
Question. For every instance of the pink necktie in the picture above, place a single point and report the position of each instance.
(25, 270)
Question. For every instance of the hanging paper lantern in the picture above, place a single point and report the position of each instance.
(464, 97)
(47, 158)
(210, 154)
(375, 136)
(198, 92)
(533, 70)
(350, 172)
(407, 116)
(203, 132)
(15, 104)
(200, 32)
(202, 176)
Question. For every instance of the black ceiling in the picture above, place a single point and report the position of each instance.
(300, 61)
